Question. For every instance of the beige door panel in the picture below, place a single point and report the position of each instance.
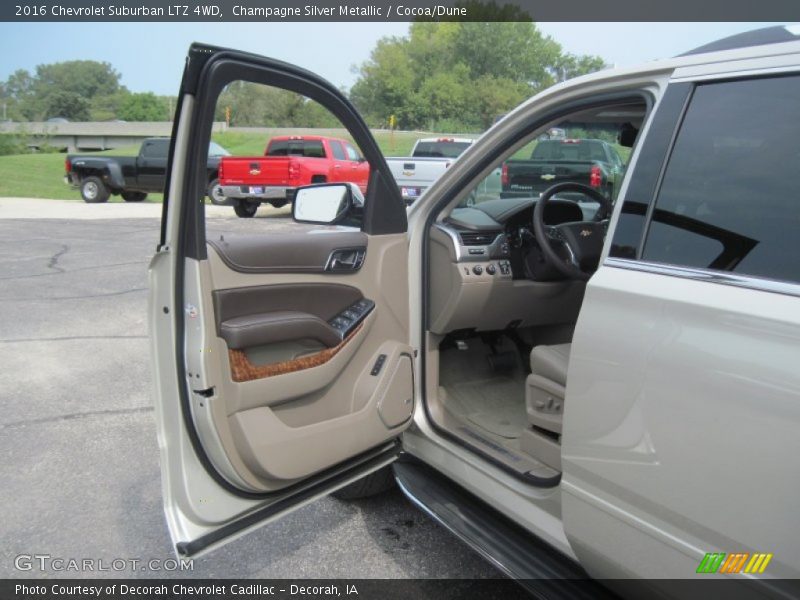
(302, 406)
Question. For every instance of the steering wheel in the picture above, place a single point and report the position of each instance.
(582, 240)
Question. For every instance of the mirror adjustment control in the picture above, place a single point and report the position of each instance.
(477, 269)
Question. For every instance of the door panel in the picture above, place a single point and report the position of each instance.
(273, 406)
(281, 373)
(273, 400)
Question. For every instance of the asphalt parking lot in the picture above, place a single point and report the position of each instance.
(80, 466)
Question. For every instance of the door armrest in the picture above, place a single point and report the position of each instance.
(278, 326)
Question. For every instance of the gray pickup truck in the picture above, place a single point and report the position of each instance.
(430, 158)
(132, 177)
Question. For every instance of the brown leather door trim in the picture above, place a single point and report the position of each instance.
(285, 253)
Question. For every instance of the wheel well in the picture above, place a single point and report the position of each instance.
(319, 178)
(85, 173)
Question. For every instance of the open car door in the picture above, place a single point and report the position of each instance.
(281, 363)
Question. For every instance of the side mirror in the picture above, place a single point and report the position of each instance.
(326, 203)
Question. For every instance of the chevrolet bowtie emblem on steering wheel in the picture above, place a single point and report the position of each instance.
(586, 232)
(548, 176)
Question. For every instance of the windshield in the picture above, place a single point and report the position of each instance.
(440, 149)
(215, 149)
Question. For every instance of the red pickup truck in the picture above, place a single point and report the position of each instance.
(288, 163)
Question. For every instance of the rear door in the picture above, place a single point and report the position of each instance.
(682, 409)
(358, 167)
(280, 353)
(338, 158)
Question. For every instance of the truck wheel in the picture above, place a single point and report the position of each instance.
(318, 179)
(93, 190)
(214, 192)
(245, 210)
(371, 485)
(279, 203)
(133, 196)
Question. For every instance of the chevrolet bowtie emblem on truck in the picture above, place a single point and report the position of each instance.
(548, 176)
(586, 232)
(255, 171)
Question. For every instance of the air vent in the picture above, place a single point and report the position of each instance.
(478, 238)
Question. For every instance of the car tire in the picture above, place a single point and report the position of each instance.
(245, 210)
(94, 190)
(278, 203)
(213, 187)
(375, 483)
(134, 196)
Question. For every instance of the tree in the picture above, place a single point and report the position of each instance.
(80, 87)
(143, 107)
(87, 78)
(69, 105)
(569, 66)
(18, 96)
(461, 73)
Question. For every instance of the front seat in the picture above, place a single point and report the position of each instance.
(544, 402)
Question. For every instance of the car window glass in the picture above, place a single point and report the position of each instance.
(731, 180)
(156, 149)
(579, 150)
(352, 153)
(338, 152)
(440, 149)
(277, 141)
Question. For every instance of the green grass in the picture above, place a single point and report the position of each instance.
(42, 175)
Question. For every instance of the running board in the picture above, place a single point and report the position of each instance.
(542, 570)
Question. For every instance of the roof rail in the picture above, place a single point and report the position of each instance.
(757, 37)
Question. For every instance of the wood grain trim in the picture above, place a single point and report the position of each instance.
(243, 370)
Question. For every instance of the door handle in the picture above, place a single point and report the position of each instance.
(346, 259)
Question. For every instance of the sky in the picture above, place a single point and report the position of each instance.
(150, 56)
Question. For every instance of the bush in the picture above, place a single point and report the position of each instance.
(11, 143)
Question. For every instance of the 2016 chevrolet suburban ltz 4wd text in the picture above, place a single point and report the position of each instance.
(612, 392)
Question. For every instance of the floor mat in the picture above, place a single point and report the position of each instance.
(496, 405)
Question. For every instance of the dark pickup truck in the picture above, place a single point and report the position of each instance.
(132, 177)
(591, 162)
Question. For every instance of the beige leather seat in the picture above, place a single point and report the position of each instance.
(551, 362)
(544, 402)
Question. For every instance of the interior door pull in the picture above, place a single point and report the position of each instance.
(346, 259)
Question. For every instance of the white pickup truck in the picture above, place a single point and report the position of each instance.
(429, 159)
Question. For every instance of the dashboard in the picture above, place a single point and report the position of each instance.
(483, 268)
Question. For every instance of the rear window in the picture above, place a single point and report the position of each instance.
(440, 149)
(577, 150)
(729, 198)
(307, 148)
